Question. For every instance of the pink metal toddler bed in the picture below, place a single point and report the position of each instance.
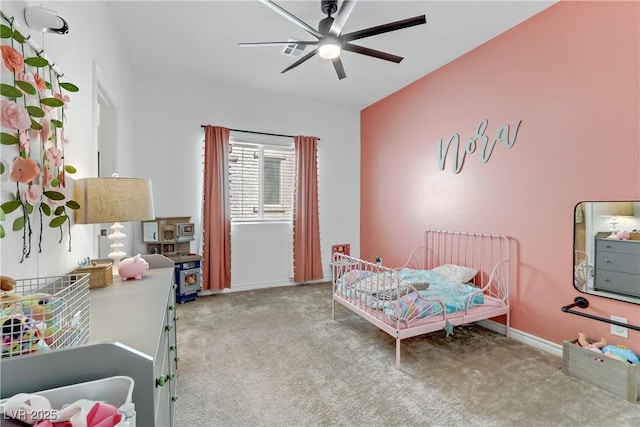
(455, 278)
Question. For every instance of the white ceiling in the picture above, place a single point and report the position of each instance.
(200, 39)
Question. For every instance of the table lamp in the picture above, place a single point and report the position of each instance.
(113, 199)
(614, 210)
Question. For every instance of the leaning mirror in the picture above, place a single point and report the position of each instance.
(606, 249)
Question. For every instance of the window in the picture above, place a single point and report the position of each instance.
(261, 179)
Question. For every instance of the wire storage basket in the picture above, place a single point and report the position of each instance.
(46, 313)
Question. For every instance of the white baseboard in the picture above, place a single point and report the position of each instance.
(532, 340)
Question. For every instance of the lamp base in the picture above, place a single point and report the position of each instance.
(116, 253)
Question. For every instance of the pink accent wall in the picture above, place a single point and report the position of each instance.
(571, 74)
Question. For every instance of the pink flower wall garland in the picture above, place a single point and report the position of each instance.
(32, 117)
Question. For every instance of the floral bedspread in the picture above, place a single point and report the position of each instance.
(386, 292)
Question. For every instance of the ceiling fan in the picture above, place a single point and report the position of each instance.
(330, 40)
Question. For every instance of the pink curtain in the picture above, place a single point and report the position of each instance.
(306, 226)
(216, 263)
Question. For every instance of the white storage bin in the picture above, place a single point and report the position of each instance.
(116, 391)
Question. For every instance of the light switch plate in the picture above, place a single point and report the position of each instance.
(619, 330)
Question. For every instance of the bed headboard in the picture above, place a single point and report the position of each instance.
(489, 253)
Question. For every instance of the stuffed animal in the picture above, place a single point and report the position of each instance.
(21, 335)
(41, 307)
(621, 353)
(132, 268)
(7, 295)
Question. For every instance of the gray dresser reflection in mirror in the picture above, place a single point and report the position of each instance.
(617, 266)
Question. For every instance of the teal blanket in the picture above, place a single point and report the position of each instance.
(374, 290)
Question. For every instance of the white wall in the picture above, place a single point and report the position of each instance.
(169, 113)
(89, 52)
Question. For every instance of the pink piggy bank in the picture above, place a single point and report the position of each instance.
(132, 268)
(622, 235)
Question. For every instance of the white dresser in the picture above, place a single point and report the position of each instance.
(617, 266)
(133, 333)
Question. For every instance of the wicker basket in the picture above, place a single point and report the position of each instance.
(101, 274)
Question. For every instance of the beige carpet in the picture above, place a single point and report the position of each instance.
(274, 357)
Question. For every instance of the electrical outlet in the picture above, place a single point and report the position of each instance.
(619, 330)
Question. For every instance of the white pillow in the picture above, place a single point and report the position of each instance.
(456, 273)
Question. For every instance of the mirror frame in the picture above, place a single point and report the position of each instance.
(594, 217)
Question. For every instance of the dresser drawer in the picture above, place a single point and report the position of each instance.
(631, 247)
(624, 263)
(614, 281)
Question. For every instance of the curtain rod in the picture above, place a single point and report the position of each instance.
(259, 133)
(32, 44)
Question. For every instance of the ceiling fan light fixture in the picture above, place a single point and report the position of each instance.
(329, 48)
(330, 40)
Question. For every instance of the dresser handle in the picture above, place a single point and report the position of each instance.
(160, 381)
(172, 307)
(606, 260)
(174, 398)
(172, 347)
(177, 359)
(170, 376)
(606, 279)
(607, 246)
(168, 327)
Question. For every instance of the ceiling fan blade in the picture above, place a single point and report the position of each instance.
(337, 64)
(300, 61)
(292, 18)
(300, 42)
(371, 52)
(385, 28)
(341, 17)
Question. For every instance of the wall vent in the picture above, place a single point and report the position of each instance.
(294, 50)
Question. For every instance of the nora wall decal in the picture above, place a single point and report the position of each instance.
(479, 140)
(33, 104)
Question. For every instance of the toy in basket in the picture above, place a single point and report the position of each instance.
(7, 294)
(50, 312)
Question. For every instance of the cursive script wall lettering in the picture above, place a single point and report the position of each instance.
(503, 134)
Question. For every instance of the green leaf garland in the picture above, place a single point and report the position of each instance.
(69, 87)
(9, 91)
(35, 111)
(52, 102)
(17, 36)
(36, 61)
(58, 221)
(26, 87)
(8, 139)
(5, 32)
